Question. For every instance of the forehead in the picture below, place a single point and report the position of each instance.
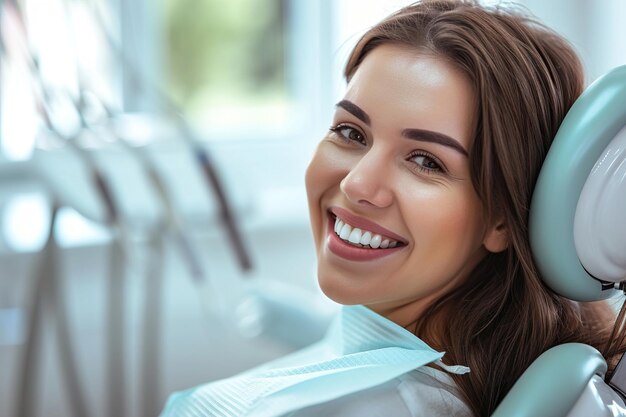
(401, 87)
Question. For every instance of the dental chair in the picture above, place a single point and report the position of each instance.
(578, 237)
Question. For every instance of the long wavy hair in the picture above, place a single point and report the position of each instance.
(525, 78)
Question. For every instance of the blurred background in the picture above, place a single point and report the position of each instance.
(153, 221)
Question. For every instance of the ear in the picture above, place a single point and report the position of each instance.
(496, 238)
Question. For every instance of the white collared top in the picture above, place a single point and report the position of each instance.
(366, 365)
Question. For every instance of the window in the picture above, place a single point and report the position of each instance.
(261, 88)
(226, 62)
(248, 69)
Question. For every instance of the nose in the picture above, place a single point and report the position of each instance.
(368, 183)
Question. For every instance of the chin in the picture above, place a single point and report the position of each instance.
(339, 293)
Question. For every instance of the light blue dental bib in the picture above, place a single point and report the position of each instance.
(361, 350)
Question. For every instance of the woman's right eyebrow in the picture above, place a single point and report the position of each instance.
(355, 110)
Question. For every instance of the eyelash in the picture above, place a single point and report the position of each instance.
(439, 169)
(338, 128)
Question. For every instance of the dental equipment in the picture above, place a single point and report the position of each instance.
(47, 301)
(115, 338)
(200, 153)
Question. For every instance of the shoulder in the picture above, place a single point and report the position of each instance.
(423, 392)
(429, 389)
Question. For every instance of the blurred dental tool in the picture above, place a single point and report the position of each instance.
(212, 177)
(116, 298)
(150, 369)
(46, 291)
(116, 295)
(173, 226)
(47, 301)
(153, 293)
(2, 47)
(280, 312)
(172, 220)
(200, 153)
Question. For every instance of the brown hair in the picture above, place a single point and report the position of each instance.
(525, 78)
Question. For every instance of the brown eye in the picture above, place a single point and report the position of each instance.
(426, 163)
(349, 133)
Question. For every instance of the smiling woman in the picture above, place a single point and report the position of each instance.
(396, 160)
(418, 199)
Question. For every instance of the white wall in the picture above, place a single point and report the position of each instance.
(596, 28)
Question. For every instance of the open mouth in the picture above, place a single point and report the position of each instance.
(361, 237)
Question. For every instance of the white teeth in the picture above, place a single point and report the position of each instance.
(358, 237)
(355, 236)
(366, 238)
(345, 231)
(338, 225)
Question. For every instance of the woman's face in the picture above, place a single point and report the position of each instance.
(392, 177)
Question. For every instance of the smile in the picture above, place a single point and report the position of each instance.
(362, 238)
(358, 239)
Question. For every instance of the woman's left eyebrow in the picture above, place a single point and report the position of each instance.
(434, 137)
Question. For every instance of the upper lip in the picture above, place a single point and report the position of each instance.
(356, 221)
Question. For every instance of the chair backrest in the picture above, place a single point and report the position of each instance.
(578, 237)
(589, 134)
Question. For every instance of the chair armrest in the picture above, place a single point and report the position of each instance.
(553, 383)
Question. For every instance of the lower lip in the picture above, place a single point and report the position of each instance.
(350, 252)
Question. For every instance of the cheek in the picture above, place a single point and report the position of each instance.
(314, 179)
(321, 175)
(311, 177)
(447, 219)
(326, 170)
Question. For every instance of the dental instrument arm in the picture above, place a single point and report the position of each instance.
(201, 155)
(115, 347)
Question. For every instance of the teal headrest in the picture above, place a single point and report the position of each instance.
(590, 125)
